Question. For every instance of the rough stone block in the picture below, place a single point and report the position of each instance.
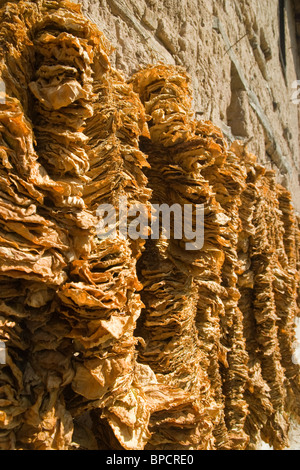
(150, 19)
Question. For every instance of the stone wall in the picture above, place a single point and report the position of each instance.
(231, 49)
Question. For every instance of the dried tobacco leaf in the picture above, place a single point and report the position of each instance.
(245, 275)
(115, 342)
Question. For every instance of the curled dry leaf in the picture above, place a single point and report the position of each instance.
(118, 343)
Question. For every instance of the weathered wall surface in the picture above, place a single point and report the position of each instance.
(231, 49)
